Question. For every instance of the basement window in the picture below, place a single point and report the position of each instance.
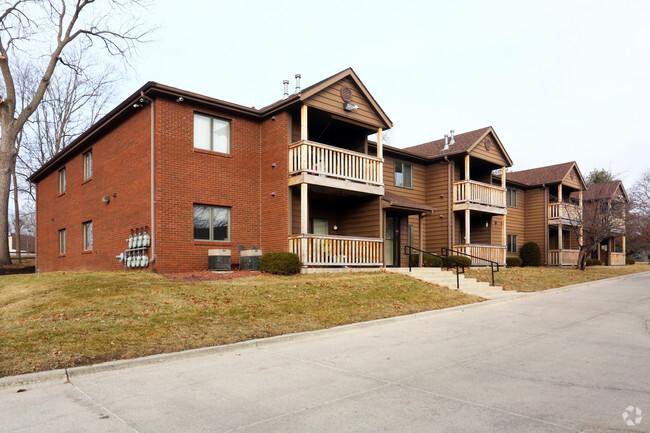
(211, 223)
(403, 175)
(211, 133)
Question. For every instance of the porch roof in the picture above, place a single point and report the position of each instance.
(398, 202)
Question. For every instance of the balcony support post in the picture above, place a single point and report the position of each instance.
(580, 234)
(504, 236)
(421, 239)
(467, 227)
(380, 154)
(304, 219)
(466, 167)
(303, 123)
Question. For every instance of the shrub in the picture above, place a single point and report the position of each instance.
(594, 262)
(280, 263)
(629, 261)
(428, 261)
(513, 262)
(530, 254)
(465, 261)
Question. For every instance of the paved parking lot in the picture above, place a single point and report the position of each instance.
(566, 360)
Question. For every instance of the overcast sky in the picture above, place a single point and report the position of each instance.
(558, 80)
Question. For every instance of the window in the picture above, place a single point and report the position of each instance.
(88, 165)
(211, 223)
(320, 226)
(511, 198)
(62, 242)
(88, 235)
(211, 133)
(512, 243)
(62, 180)
(411, 235)
(403, 175)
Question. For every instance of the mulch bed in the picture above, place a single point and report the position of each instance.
(212, 276)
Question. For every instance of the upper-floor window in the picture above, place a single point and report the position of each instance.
(88, 235)
(211, 223)
(62, 242)
(211, 133)
(511, 197)
(62, 180)
(403, 175)
(88, 165)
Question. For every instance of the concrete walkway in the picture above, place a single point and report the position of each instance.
(573, 359)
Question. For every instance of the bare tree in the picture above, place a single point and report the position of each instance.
(639, 215)
(43, 31)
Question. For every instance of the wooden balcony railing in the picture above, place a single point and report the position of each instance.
(320, 159)
(472, 192)
(617, 259)
(563, 257)
(322, 250)
(566, 213)
(494, 253)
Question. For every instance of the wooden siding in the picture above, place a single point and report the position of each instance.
(515, 224)
(494, 155)
(535, 220)
(329, 99)
(572, 179)
(418, 192)
(438, 225)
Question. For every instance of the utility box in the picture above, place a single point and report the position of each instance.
(219, 259)
(249, 260)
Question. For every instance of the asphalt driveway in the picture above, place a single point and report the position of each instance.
(576, 359)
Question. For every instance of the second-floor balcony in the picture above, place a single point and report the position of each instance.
(564, 213)
(469, 194)
(334, 167)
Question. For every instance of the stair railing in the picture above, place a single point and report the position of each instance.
(446, 262)
(445, 253)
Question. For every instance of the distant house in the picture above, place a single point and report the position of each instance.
(27, 243)
(542, 209)
(612, 195)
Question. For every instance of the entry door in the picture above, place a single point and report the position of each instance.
(391, 241)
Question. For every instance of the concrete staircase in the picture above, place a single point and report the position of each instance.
(448, 279)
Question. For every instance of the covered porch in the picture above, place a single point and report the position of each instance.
(564, 245)
(480, 234)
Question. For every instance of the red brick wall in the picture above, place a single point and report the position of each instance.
(185, 176)
(121, 170)
(275, 209)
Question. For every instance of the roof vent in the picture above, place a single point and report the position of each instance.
(446, 147)
(286, 89)
(451, 140)
(297, 83)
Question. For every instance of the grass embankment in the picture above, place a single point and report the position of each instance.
(542, 278)
(59, 320)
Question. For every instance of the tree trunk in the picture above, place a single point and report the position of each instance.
(582, 259)
(17, 215)
(7, 162)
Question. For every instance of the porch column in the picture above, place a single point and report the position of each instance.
(580, 233)
(559, 227)
(421, 239)
(380, 154)
(466, 167)
(504, 236)
(467, 231)
(303, 123)
(623, 239)
(304, 220)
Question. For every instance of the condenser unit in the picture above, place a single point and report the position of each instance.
(219, 259)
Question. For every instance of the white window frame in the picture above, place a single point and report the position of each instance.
(62, 181)
(88, 236)
(62, 242)
(404, 183)
(211, 232)
(512, 242)
(88, 165)
(211, 146)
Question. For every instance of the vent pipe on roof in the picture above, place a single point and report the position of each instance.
(446, 147)
(297, 83)
(451, 141)
(286, 89)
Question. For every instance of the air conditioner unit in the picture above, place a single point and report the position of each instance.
(249, 260)
(219, 259)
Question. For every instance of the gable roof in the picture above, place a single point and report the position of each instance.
(151, 88)
(605, 190)
(549, 174)
(463, 143)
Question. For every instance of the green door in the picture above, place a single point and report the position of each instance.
(391, 241)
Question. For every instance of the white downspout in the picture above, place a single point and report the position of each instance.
(153, 178)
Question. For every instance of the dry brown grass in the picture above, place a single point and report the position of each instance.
(542, 278)
(58, 320)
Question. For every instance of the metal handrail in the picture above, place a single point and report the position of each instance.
(445, 252)
(409, 249)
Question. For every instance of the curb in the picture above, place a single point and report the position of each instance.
(64, 375)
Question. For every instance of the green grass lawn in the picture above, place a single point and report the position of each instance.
(542, 278)
(57, 320)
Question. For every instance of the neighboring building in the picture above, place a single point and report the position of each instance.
(453, 177)
(27, 243)
(612, 201)
(545, 207)
(197, 173)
